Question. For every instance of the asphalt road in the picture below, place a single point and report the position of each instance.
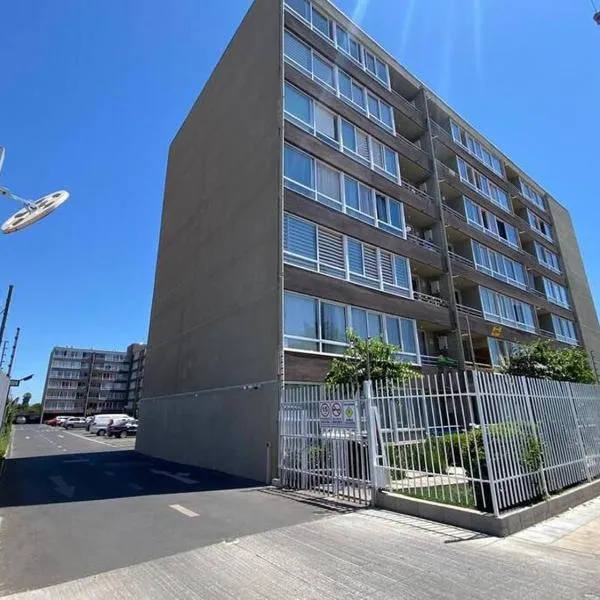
(74, 505)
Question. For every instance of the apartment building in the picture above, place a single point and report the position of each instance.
(317, 186)
(86, 381)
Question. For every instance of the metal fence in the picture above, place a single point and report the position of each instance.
(474, 439)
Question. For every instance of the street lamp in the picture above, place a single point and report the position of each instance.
(17, 382)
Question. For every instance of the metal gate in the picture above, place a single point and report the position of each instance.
(326, 433)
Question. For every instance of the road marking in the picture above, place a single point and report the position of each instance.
(61, 486)
(135, 486)
(181, 477)
(27, 437)
(90, 439)
(61, 436)
(183, 510)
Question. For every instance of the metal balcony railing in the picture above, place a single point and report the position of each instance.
(424, 243)
(462, 259)
(467, 310)
(417, 191)
(433, 300)
(454, 212)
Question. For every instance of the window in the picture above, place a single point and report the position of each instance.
(302, 7)
(474, 147)
(304, 111)
(313, 247)
(506, 310)
(538, 224)
(499, 266)
(483, 185)
(341, 192)
(315, 325)
(531, 194)
(547, 258)
(318, 68)
(556, 293)
(500, 351)
(322, 24)
(298, 170)
(490, 224)
(564, 330)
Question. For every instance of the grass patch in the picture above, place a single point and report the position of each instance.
(445, 494)
(4, 442)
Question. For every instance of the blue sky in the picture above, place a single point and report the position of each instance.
(93, 92)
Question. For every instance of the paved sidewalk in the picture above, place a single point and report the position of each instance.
(365, 554)
(578, 529)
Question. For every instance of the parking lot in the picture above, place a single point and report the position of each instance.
(123, 442)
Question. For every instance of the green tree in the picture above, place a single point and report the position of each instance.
(542, 360)
(26, 399)
(364, 356)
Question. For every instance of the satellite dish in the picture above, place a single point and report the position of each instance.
(32, 211)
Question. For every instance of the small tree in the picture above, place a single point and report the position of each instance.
(26, 399)
(372, 356)
(542, 360)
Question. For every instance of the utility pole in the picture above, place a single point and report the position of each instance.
(14, 350)
(4, 345)
(5, 312)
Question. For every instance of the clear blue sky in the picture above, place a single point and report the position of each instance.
(93, 92)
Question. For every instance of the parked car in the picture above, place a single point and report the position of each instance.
(99, 425)
(74, 423)
(20, 420)
(56, 421)
(122, 428)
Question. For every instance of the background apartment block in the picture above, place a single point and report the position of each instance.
(354, 199)
(85, 381)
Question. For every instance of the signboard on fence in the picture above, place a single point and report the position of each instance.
(338, 413)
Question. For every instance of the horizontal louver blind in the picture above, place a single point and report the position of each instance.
(331, 249)
(387, 270)
(362, 142)
(300, 237)
(298, 52)
(371, 269)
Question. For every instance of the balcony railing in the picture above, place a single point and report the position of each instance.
(434, 300)
(454, 212)
(424, 243)
(462, 259)
(467, 310)
(418, 192)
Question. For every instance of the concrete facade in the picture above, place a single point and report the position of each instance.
(215, 317)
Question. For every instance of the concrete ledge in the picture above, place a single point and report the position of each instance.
(505, 525)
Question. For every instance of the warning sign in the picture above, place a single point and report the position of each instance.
(338, 413)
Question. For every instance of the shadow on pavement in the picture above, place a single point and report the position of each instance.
(104, 475)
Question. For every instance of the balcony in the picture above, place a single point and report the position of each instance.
(428, 299)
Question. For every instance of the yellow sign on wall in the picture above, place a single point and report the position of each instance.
(496, 331)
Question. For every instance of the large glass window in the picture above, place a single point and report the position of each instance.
(341, 192)
(483, 185)
(302, 7)
(531, 194)
(298, 107)
(564, 330)
(300, 242)
(538, 224)
(317, 67)
(475, 148)
(556, 293)
(298, 169)
(316, 325)
(301, 322)
(499, 266)
(500, 351)
(490, 224)
(547, 258)
(506, 310)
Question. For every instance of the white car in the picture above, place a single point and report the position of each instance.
(74, 422)
(99, 425)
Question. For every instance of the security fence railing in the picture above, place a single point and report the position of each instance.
(474, 439)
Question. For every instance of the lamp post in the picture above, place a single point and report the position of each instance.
(12, 383)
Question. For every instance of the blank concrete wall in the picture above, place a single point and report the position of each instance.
(581, 295)
(216, 311)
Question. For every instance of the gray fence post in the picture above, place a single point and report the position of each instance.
(371, 423)
(486, 443)
(578, 427)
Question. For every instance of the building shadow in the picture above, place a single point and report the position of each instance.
(82, 477)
